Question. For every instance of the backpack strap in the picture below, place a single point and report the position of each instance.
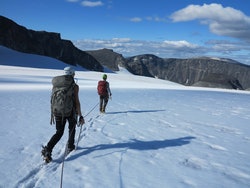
(52, 119)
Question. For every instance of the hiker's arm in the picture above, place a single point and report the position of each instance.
(108, 88)
(78, 105)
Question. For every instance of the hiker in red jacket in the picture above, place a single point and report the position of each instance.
(104, 92)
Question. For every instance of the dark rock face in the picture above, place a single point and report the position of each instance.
(205, 72)
(219, 81)
(108, 58)
(44, 43)
(146, 65)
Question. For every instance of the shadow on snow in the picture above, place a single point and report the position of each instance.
(135, 145)
(134, 111)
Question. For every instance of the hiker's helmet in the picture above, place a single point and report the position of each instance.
(104, 77)
(69, 71)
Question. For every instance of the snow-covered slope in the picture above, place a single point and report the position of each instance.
(14, 58)
(155, 134)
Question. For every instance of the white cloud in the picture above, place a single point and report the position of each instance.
(227, 47)
(72, 1)
(155, 18)
(179, 44)
(169, 49)
(148, 18)
(121, 39)
(92, 3)
(136, 19)
(225, 21)
(129, 47)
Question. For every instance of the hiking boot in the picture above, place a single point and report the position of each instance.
(101, 110)
(71, 148)
(46, 153)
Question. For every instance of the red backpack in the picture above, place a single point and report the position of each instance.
(102, 88)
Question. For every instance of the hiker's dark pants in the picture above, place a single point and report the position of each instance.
(60, 126)
(103, 102)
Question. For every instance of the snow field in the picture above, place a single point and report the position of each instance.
(155, 134)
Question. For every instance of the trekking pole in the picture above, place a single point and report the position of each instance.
(64, 156)
(78, 139)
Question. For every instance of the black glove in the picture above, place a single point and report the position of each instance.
(81, 121)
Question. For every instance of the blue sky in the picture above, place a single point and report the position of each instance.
(166, 28)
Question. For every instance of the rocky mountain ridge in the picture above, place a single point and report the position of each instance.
(202, 71)
(44, 43)
(194, 71)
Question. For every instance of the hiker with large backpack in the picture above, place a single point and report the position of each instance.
(104, 92)
(65, 107)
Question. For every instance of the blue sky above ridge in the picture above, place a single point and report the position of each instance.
(179, 29)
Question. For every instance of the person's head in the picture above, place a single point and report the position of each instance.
(104, 77)
(69, 71)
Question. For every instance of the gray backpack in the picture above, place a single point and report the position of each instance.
(62, 97)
